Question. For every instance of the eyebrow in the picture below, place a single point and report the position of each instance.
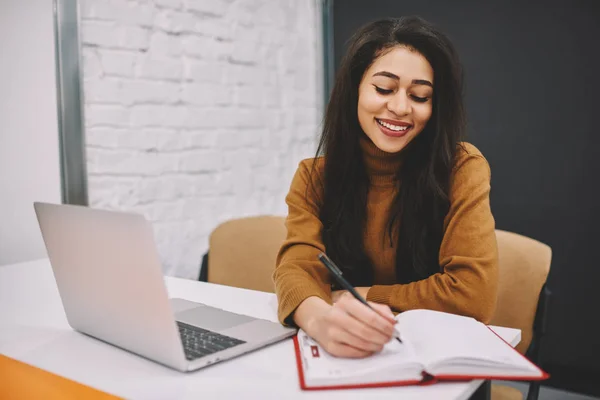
(397, 78)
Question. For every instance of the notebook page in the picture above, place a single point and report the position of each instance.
(442, 338)
(323, 367)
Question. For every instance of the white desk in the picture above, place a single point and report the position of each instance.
(34, 329)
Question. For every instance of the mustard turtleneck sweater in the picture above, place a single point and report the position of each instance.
(468, 257)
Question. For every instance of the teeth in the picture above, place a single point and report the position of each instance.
(393, 127)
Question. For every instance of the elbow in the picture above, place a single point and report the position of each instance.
(482, 312)
(478, 302)
(481, 305)
(476, 298)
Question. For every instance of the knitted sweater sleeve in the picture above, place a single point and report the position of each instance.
(468, 257)
(298, 273)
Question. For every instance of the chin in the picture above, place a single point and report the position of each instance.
(391, 145)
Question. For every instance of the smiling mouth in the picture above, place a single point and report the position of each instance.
(395, 128)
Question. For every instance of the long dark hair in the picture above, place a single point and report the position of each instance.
(422, 201)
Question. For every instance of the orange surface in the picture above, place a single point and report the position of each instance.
(23, 381)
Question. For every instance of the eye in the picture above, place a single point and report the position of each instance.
(419, 99)
(382, 90)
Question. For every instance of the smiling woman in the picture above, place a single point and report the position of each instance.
(394, 107)
(394, 196)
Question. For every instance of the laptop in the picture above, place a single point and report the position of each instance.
(110, 280)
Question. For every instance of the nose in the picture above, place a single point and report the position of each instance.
(399, 104)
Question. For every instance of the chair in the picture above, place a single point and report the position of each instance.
(242, 252)
(522, 299)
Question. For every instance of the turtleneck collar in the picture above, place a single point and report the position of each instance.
(382, 167)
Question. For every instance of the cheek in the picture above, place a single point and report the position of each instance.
(423, 113)
(369, 102)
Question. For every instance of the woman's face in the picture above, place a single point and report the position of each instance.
(395, 98)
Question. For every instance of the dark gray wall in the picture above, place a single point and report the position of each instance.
(532, 97)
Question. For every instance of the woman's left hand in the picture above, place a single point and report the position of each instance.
(337, 294)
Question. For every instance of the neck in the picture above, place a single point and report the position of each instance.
(382, 167)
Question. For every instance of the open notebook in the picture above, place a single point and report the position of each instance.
(436, 346)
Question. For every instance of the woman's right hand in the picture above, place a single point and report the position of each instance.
(347, 328)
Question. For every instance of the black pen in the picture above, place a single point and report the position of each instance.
(337, 274)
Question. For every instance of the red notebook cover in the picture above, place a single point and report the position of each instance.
(427, 379)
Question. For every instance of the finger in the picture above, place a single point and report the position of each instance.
(367, 316)
(336, 295)
(384, 311)
(343, 350)
(345, 335)
(359, 329)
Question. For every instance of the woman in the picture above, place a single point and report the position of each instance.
(397, 201)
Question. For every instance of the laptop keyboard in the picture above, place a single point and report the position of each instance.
(198, 342)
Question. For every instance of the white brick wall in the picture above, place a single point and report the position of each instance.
(197, 111)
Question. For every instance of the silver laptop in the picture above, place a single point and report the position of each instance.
(111, 284)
